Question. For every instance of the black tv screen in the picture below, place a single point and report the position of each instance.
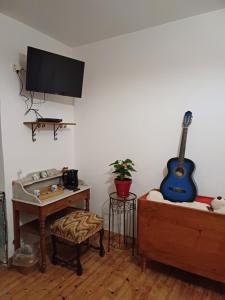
(54, 74)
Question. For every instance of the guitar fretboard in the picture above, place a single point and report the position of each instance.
(182, 146)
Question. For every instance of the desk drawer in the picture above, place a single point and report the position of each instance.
(77, 197)
(63, 203)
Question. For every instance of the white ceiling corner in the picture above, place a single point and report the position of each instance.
(78, 22)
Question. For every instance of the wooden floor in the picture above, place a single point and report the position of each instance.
(115, 276)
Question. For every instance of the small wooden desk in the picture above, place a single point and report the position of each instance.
(42, 210)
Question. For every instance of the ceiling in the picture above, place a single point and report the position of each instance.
(77, 22)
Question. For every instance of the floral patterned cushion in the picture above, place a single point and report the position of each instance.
(77, 226)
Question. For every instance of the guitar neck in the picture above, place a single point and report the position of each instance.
(183, 145)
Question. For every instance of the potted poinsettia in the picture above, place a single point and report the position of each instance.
(123, 169)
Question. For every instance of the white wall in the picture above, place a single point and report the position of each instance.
(19, 152)
(2, 178)
(136, 90)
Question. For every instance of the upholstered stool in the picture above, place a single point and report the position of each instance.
(74, 229)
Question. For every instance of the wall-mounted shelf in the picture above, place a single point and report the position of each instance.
(38, 125)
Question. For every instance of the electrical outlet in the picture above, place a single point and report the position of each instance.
(16, 68)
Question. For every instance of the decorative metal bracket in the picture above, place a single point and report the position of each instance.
(56, 128)
(34, 128)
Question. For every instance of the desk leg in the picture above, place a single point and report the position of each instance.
(42, 242)
(87, 202)
(16, 222)
(87, 205)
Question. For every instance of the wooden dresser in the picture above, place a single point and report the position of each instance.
(187, 238)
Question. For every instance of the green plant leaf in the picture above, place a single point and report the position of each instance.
(123, 168)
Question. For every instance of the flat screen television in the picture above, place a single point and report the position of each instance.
(54, 74)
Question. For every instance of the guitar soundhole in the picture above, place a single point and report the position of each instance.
(179, 172)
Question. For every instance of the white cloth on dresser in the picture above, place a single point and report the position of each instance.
(158, 197)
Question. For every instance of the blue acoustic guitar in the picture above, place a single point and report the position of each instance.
(178, 185)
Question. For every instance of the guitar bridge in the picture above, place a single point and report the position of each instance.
(177, 189)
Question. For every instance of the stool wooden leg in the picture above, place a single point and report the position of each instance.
(54, 253)
(102, 250)
(79, 266)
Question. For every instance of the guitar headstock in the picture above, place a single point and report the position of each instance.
(187, 119)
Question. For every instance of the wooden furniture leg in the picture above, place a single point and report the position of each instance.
(75, 229)
(79, 266)
(42, 211)
(87, 202)
(101, 247)
(16, 219)
(54, 250)
(42, 242)
(143, 263)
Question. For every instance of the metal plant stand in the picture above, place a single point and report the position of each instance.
(122, 214)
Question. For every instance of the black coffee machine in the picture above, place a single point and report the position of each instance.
(70, 179)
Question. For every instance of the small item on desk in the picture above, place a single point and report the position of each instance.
(36, 176)
(65, 169)
(37, 193)
(51, 191)
(44, 174)
(54, 187)
(70, 179)
(52, 172)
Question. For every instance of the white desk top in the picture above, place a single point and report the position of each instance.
(66, 193)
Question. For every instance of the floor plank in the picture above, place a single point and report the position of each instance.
(115, 276)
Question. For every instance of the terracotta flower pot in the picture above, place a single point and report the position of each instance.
(123, 187)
